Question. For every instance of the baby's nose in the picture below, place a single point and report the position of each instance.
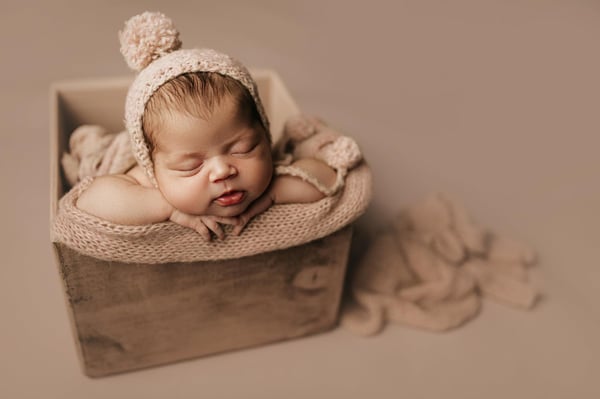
(220, 169)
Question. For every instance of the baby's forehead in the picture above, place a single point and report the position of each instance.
(221, 128)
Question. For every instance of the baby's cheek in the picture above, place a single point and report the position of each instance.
(185, 197)
(263, 173)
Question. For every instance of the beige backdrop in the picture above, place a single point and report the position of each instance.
(494, 102)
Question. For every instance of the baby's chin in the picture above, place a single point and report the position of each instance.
(228, 211)
(216, 209)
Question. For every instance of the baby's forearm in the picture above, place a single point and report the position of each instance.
(290, 189)
(120, 200)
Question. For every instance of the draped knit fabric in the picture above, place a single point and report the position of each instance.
(281, 226)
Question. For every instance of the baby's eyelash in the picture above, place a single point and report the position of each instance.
(189, 169)
(244, 149)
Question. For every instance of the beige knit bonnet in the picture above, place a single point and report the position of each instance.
(151, 46)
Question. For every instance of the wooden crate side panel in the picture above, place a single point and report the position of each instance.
(130, 316)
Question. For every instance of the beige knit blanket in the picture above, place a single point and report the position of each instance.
(281, 226)
(431, 268)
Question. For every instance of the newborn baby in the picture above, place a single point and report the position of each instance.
(201, 140)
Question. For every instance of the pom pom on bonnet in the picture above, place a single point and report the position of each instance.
(151, 46)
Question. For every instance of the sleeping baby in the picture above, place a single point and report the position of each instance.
(201, 139)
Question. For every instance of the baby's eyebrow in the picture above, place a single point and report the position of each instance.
(246, 134)
(243, 134)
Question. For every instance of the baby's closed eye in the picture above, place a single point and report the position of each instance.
(244, 147)
(188, 167)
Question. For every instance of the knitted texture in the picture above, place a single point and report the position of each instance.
(281, 226)
(302, 174)
(431, 269)
(147, 37)
(93, 151)
(309, 137)
(149, 43)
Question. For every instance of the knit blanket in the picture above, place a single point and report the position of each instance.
(281, 226)
(430, 269)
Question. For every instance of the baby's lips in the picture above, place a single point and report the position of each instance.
(231, 198)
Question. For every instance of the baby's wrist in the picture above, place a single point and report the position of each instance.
(169, 210)
(272, 194)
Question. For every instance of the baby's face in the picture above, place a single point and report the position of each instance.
(213, 167)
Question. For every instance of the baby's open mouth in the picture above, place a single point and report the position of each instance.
(230, 198)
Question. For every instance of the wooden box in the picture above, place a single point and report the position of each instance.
(128, 316)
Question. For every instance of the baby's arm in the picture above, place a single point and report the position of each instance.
(290, 189)
(121, 199)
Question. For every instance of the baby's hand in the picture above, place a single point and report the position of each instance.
(257, 207)
(203, 224)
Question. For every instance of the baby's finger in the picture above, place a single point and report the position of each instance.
(234, 221)
(242, 221)
(212, 224)
(202, 230)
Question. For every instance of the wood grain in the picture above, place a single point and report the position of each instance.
(131, 316)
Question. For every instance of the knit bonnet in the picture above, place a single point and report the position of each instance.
(151, 46)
